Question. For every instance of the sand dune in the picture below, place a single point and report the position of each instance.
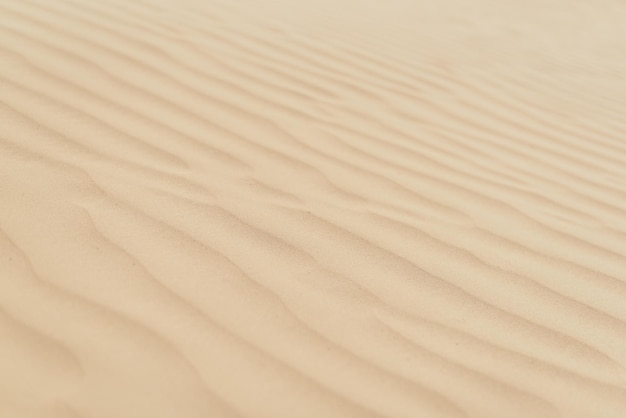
(312, 209)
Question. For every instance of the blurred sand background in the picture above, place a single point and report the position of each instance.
(297, 208)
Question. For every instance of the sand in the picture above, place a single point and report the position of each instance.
(255, 208)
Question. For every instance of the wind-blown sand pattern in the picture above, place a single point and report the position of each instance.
(312, 209)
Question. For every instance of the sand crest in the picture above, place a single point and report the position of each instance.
(341, 208)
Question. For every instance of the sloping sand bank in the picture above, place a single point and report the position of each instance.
(285, 209)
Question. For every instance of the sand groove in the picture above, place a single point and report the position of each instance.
(273, 209)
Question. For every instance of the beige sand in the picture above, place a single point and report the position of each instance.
(294, 208)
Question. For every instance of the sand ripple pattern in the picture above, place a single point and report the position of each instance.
(325, 209)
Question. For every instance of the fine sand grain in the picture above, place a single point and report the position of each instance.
(298, 208)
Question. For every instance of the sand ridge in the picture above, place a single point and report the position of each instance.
(298, 209)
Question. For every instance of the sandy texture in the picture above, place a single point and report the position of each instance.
(255, 208)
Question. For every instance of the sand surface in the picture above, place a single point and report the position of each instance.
(298, 208)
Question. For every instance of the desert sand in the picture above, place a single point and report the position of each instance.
(298, 208)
